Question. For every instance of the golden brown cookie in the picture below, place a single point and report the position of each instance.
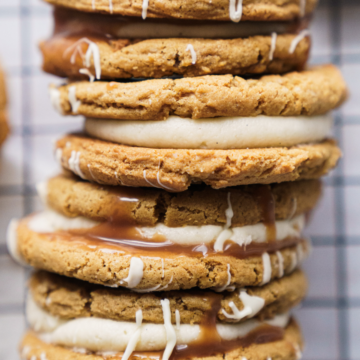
(4, 127)
(261, 10)
(312, 92)
(285, 349)
(156, 58)
(174, 170)
(70, 298)
(200, 205)
(169, 267)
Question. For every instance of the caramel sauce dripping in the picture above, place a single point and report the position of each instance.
(209, 342)
(264, 196)
(119, 232)
(127, 239)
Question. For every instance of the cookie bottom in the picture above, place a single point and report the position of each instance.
(286, 349)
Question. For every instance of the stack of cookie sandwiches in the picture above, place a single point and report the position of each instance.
(4, 128)
(176, 228)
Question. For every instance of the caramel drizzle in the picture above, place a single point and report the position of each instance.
(127, 240)
(120, 234)
(265, 198)
(209, 342)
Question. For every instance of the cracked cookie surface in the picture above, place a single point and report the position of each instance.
(174, 170)
(311, 92)
(69, 298)
(157, 58)
(200, 205)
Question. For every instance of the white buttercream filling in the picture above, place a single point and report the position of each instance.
(12, 243)
(50, 221)
(96, 334)
(215, 133)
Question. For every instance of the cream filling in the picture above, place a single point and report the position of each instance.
(104, 335)
(50, 221)
(215, 133)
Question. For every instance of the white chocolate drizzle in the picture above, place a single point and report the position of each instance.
(135, 337)
(227, 286)
(92, 51)
(151, 184)
(74, 103)
(145, 5)
(273, 45)
(161, 185)
(192, 52)
(93, 176)
(55, 99)
(154, 288)
(93, 4)
(170, 332)
(226, 233)
(252, 305)
(58, 156)
(88, 73)
(177, 319)
(266, 268)
(294, 263)
(136, 272)
(110, 6)
(235, 12)
(43, 356)
(298, 352)
(281, 264)
(74, 164)
(297, 39)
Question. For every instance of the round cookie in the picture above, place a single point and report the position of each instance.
(156, 58)
(258, 10)
(311, 92)
(286, 349)
(174, 170)
(69, 298)
(200, 205)
(105, 263)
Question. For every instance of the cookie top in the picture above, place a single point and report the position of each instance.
(311, 92)
(69, 298)
(175, 169)
(199, 205)
(258, 10)
(154, 267)
(156, 58)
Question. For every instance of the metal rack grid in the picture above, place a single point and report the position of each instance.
(330, 316)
